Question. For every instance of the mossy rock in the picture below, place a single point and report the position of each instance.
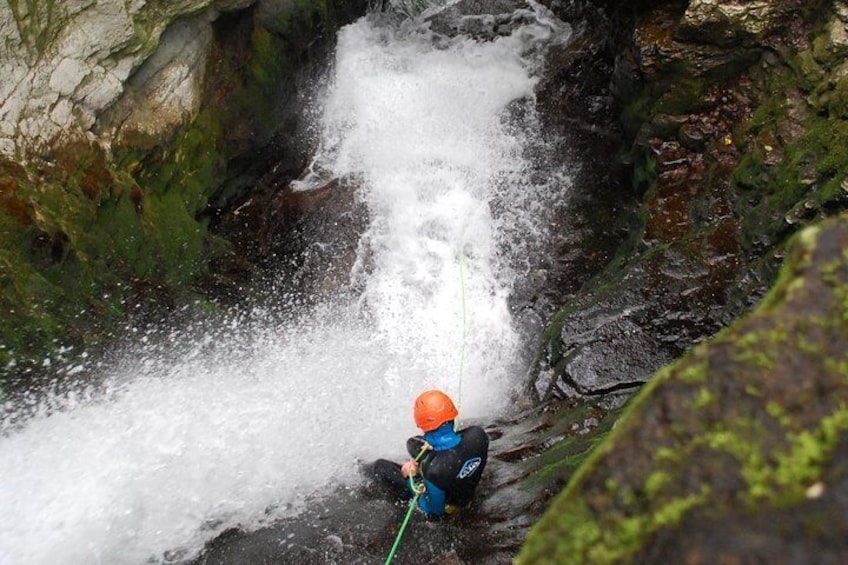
(84, 242)
(736, 452)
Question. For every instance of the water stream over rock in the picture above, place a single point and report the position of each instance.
(247, 423)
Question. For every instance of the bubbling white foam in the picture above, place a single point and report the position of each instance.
(234, 429)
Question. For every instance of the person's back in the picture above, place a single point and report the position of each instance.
(457, 470)
(449, 463)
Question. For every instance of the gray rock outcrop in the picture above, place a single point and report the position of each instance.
(65, 63)
(731, 22)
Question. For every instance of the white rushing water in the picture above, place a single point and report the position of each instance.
(235, 429)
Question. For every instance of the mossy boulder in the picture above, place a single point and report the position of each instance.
(735, 453)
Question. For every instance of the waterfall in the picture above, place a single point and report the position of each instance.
(236, 426)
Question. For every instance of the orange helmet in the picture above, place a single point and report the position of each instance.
(432, 409)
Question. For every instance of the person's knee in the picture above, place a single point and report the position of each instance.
(387, 469)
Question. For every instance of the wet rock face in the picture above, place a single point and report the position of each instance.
(728, 23)
(660, 45)
(165, 91)
(308, 239)
(729, 158)
(737, 451)
(577, 104)
(481, 18)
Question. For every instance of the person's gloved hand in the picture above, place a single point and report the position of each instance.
(409, 469)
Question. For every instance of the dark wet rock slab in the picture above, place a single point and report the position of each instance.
(481, 18)
(306, 238)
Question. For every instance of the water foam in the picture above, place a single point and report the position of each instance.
(237, 427)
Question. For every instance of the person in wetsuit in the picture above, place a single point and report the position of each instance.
(449, 463)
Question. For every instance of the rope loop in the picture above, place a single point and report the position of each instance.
(418, 488)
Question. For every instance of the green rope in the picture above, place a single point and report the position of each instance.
(412, 504)
(417, 490)
(464, 328)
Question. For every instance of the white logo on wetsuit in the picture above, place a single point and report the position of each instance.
(469, 467)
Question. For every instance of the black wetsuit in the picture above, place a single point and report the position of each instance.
(451, 469)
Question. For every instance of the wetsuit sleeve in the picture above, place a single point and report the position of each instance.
(432, 502)
(414, 445)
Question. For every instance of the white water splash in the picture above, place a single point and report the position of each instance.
(235, 429)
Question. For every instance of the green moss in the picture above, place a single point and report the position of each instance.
(656, 482)
(665, 454)
(813, 159)
(94, 234)
(610, 538)
(788, 280)
(749, 172)
(560, 461)
(563, 464)
(274, 55)
(826, 141)
(645, 175)
(754, 348)
(808, 68)
(266, 65)
(637, 113)
(24, 295)
(842, 292)
(550, 344)
(684, 97)
(586, 533)
(704, 398)
(694, 373)
(312, 6)
(37, 22)
(634, 530)
(837, 100)
(777, 412)
(785, 477)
